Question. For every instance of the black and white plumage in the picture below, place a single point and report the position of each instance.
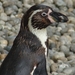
(27, 55)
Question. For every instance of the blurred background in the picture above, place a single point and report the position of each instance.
(61, 39)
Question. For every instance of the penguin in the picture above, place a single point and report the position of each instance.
(28, 53)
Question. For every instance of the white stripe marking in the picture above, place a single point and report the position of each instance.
(33, 70)
(40, 33)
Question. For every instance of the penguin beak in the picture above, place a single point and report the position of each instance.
(58, 17)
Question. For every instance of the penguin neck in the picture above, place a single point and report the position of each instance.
(41, 34)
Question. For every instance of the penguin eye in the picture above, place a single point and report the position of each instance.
(44, 14)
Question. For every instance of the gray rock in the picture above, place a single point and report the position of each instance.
(14, 7)
(59, 56)
(19, 4)
(64, 30)
(69, 3)
(73, 40)
(51, 31)
(9, 11)
(8, 47)
(1, 8)
(60, 3)
(61, 74)
(4, 17)
(1, 33)
(65, 40)
(63, 8)
(73, 47)
(73, 34)
(54, 67)
(72, 19)
(3, 42)
(62, 66)
(64, 49)
(71, 57)
(2, 22)
(9, 3)
(72, 62)
(54, 73)
(69, 71)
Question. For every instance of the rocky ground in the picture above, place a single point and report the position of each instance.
(61, 38)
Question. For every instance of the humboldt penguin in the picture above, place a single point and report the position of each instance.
(28, 53)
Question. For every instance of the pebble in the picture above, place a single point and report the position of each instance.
(71, 57)
(60, 3)
(64, 49)
(1, 9)
(73, 3)
(54, 67)
(2, 56)
(19, 4)
(9, 11)
(4, 17)
(71, 19)
(69, 3)
(73, 47)
(59, 56)
(69, 71)
(2, 22)
(9, 3)
(3, 42)
(65, 40)
(62, 66)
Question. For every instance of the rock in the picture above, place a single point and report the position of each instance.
(64, 49)
(69, 71)
(3, 42)
(64, 8)
(54, 73)
(2, 56)
(62, 66)
(4, 17)
(60, 3)
(9, 11)
(72, 62)
(73, 47)
(8, 47)
(71, 57)
(65, 40)
(70, 31)
(10, 39)
(64, 30)
(1, 9)
(51, 31)
(73, 40)
(52, 45)
(2, 22)
(9, 3)
(69, 3)
(71, 19)
(50, 1)
(73, 34)
(19, 4)
(61, 74)
(73, 3)
(59, 56)
(14, 7)
(54, 67)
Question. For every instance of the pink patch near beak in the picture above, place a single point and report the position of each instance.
(49, 17)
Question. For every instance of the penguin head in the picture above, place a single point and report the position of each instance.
(41, 16)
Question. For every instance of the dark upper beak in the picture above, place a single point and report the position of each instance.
(58, 17)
